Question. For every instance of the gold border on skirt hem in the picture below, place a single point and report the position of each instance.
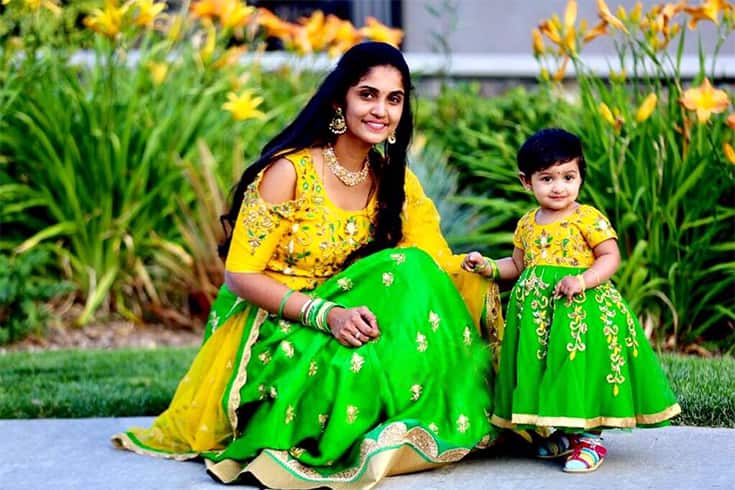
(613, 422)
(123, 441)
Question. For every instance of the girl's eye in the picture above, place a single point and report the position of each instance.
(396, 99)
(546, 179)
(570, 178)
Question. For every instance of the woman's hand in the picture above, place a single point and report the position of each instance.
(475, 262)
(568, 286)
(353, 327)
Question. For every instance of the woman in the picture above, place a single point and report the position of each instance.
(340, 349)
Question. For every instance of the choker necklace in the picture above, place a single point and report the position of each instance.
(347, 177)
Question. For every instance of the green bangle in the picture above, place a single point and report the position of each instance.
(284, 300)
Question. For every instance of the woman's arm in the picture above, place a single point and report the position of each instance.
(350, 327)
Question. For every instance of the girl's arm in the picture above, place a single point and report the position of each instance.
(607, 260)
(508, 268)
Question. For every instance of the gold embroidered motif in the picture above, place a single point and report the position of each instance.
(398, 258)
(434, 428)
(352, 413)
(290, 414)
(434, 320)
(357, 361)
(422, 343)
(264, 357)
(313, 368)
(577, 328)
(296, 452)
(463, 423)
(287, 348)
(416, 392)
(284, 325)
(387, 279)
(467, 336)
(323, 417)
(344, 283)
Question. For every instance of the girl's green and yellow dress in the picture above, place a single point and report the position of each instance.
(578, 366)
(288, 404)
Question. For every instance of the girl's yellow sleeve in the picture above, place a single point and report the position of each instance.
(259, 229)
(421, 229)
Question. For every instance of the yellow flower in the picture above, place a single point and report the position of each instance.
(570, 14)
(635, 13)
(646, 108)
(731, 120)
(244, 106)
(729, 153)
(147, 11)
(158, 71)
(107, 21)
(606, 113)
(538, 42)
(376, 31)
(50, 5)
(205, 9)
(705, 100)
(604, 12)
(344, 35)
(618, 76)
(549, 29)
(570, 41)
(235, 14)
(210, 42)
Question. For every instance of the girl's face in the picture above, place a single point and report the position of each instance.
(373, 106)
(556, 188)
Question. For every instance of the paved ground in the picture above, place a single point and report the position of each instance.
(76, 454)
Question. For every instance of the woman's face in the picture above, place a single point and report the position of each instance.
(373, 106)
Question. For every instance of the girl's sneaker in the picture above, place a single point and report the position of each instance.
(587, 455)
(556, 445)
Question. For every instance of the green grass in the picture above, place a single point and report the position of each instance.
(141, 382)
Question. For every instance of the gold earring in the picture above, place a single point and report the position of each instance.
(392, 138)
(338, 124)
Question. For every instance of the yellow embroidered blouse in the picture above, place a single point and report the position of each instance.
(303, 242)
(565, 242)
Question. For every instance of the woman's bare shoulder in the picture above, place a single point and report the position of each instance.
(278, 184)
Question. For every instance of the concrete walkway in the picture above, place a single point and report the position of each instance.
(63, 454)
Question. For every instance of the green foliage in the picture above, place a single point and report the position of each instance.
(23, 291)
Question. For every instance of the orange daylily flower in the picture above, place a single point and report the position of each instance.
(562, 70)
(345, 35)
(646, 108)
(570, 41)
(274, 25)
(705, 100)
(708, 10)
(376, 31)
(612, 117)
(731, 120)
(206, 9)
(729, 152)
(635, 13)
(549, 29)
(599, 30)
(607, 16)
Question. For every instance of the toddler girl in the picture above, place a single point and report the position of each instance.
(573, 357)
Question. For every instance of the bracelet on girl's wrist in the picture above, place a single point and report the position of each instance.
(580, 278)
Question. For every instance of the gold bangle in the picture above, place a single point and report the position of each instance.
(580, 278)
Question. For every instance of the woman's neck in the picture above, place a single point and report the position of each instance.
(351, 154)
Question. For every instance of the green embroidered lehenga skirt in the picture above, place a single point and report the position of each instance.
(578, 366)
(292, 407)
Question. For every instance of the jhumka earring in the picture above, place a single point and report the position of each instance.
(338, 125)
(392, 138)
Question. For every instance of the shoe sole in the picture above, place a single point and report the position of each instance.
(586, 470)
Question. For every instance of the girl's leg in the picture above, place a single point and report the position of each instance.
(587, 455)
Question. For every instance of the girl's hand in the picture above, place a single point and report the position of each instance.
(474, 262)
(353, 327)
(568, 286)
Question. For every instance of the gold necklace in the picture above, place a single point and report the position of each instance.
(347, 177)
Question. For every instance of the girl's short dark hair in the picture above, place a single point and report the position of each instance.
(549, 147)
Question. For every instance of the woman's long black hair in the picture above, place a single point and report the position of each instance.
(311, 128)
